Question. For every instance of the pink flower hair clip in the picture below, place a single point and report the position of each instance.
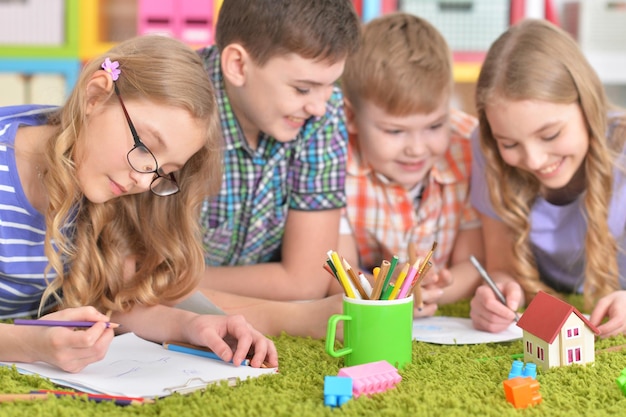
(112, 68)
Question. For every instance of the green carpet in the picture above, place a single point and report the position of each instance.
(441, 381)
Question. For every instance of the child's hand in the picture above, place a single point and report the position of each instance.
(431, 291)
(231, 337)
(612, 306)
(488, 313)
(69, 349)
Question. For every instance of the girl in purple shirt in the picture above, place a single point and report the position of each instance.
(548, 178)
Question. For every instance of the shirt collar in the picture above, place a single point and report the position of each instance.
(231, 130)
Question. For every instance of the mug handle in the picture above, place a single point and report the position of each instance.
(331, 331)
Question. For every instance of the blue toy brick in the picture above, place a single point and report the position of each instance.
(530, 369)
(516, 369)
(337, 390)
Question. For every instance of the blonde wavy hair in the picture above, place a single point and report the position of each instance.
(88, 245)
(408, 50)
(535, 60)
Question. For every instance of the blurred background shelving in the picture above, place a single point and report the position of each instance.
(43, 43)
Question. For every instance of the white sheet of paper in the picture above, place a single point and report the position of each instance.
(134, 367)
(458, 331)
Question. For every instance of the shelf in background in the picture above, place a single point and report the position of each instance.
(467, 66)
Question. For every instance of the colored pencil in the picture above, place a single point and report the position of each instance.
(399, 281)
(60, 323)
(341, 274)
(365, 284)
(355, 280)
(197, 351)
(392, 266)
(485, 276)
(406, 285)
(380, 280)
(202, 351)
(415, 285)
(412, 259)
(46, 394)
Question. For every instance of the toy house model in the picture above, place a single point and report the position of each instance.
(556, 334)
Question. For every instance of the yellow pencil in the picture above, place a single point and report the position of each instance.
(341, 273)
(399, 281)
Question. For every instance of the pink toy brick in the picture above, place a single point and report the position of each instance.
(196, 21)
(157, 17)
(371, 378)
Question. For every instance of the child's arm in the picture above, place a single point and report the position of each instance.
(309, 235)
(465, 277)
(271, 317)
(347, 247)
(230, 336)
(487, 312)
(62, 347)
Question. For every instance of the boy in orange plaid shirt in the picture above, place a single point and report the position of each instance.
(409, 159)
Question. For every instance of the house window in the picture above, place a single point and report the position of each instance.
(573, 332)
(529, 347)
(574, 355)
(540, 351)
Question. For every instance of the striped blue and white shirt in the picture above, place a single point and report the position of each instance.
(22, 228)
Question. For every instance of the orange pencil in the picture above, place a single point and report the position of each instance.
(355, 280)
(421, 273)
(428, 256)
(380, 279)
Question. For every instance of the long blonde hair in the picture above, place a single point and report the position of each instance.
(88, 245)
(535, 60)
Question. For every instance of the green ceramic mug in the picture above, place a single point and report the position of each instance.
(373, 330)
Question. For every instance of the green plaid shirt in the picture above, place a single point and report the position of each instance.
(245, 222)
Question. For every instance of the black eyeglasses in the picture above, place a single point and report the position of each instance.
(142, 160)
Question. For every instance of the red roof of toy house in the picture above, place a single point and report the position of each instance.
(545, 316)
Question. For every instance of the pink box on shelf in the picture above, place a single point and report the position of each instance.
(371, 378)
(159, 17)
(195, 21)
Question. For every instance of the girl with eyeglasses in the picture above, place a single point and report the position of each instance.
(99, 203)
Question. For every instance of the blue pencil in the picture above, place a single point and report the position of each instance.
(197, 351)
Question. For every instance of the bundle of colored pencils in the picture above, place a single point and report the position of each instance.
(356, 285)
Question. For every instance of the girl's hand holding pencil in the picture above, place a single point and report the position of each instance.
(68, 349)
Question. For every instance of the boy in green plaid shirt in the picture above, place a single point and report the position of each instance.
(274, 68)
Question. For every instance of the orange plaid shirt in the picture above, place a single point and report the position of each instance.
(384, 218)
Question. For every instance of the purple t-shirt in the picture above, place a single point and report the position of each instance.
(557, 233)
